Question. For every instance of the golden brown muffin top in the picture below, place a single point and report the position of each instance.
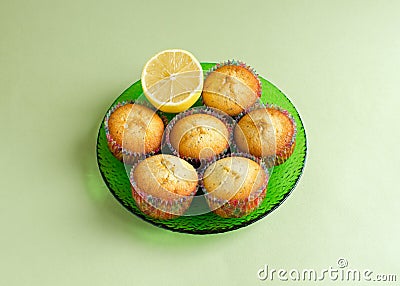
(233, 178)
(199, 136)
(136, 128)
(231, 89)
(264, 132)
(165, 176)
(242, 74)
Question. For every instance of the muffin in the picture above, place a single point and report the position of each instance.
(231, 87)
(198, 134)
(163, 186)
(132, 130)
(266, 132)
(235, 185)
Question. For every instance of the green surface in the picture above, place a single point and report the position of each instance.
(63, 63)
(282, 181)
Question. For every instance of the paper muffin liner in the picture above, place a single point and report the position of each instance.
(234, 208)
(226, 119)
(241, 64)
(157, 207)
(122, 154)
(281, 157)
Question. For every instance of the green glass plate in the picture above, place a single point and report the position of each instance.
(282, 181)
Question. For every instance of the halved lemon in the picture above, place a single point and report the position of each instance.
(172, 80)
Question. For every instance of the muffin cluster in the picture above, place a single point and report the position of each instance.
(218, 149)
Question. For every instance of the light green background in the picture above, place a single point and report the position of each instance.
(62, 65)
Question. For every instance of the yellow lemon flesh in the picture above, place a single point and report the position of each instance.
(172, 80)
